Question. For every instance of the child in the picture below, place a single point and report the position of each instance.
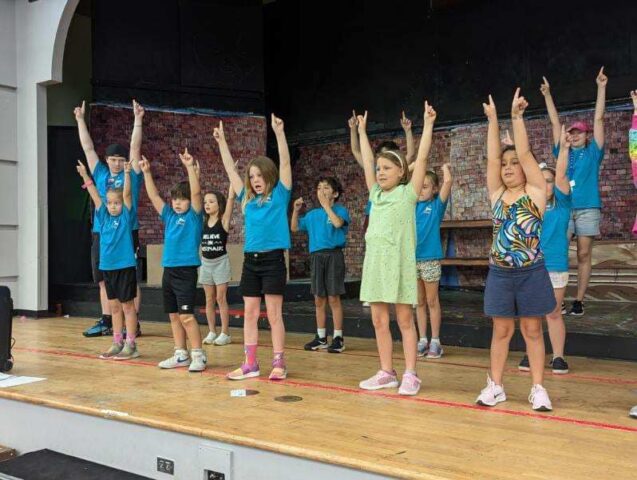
(215, 271)
(385, 146)
(183, 223)
(390, 242)
(430, 210)
(518, 284)
(117, 260)
(554, 244)
(107, 175)
(584, 161)
(264, 196)
(327, 231)
(632, 150)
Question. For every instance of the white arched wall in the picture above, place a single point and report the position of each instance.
(32, 38)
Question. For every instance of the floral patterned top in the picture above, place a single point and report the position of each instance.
(516, 234)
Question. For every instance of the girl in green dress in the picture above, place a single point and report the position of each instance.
(390, 263)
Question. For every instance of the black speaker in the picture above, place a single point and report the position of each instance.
(6, 319)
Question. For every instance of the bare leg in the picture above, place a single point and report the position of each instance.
(179, 334)
(252, 308)
(222, 301)
(555, 322)
(421, 310)
(584, 264)
(405, 317)
(503, 328)
(337, 311)
(319, 303)
(433, 302)
(105, 303)
(211, 298)
(191, 328)
(380, 319)
(531, 328)
(274, 307)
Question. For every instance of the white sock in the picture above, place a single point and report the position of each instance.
(321, 332)
(424, 340)
(338, 333)
(435, 340)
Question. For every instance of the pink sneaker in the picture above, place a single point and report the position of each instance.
(382, 379)
(410, 385)
(279, 370)
(244, 371)
(539, 397)
(491, 395)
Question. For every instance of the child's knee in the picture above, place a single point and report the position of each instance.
(187, 319)
(433, 303)
(503, 331)
(531, 331)
(116, 307)
(334, 300)
(221, 298)
(128, 307)
(319, 302)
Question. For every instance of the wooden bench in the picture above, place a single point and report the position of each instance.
(465, 261)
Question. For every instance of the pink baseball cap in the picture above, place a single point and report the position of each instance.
(582, 126)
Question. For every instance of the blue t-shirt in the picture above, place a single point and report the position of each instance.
(266, 224)
(583, 172)
(554, 235)
(321, 233)
(116, 239)
(182, 237)
(104, 181)
(429, 215)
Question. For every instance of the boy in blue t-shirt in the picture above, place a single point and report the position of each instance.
(327, 231)
(108, 175)
(117, 260)
(430, 210)
(183, 224)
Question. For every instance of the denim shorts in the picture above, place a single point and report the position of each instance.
(584, 222)
(518, 292)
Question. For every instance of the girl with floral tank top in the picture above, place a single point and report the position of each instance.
(518, 283)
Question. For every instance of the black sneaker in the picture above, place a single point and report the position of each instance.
(104, 326)
(317, 344)
(524, 364)
(577, 309)
(559, 365)
(564, 311)
(337, 345)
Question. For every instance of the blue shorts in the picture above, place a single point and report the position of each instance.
(518, 292)
(584, 222)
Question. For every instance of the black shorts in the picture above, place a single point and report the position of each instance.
(327, 269)
(264, 273)
(120, 284)
(95, 258)
(180, 289)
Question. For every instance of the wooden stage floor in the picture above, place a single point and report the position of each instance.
(440, 433)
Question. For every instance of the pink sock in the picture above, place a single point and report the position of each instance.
(118, 338)
(130, 338)
(278, 360)
(251, 354)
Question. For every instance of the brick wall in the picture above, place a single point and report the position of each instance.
(166, 134)
(465, 147)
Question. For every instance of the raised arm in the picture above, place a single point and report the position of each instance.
(353, 139)
(235, 179)
(296, 208)
(89, 185)
(193, 179)
(447, 181)
(420, 165)
(135, 154)
(128, 194)
(494, 150)
(337, 221)
(545, 88)
(366, 152)
(600, 106)
(535, 182)
(151, 189)
(409, 138)
(285, 163)
(227, 214)
(632, 138)
(561, 179)
(85, 137)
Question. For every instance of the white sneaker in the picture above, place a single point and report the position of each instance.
(198, 363)
(539, 397)
(366, 304)
(223, 339)
(179, 359)
(491, 395)
(210, 338)
(633, 412)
